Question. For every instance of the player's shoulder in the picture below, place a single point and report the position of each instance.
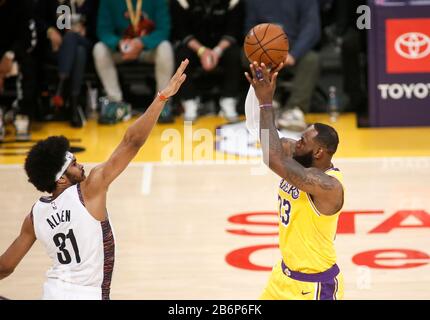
(335, 173)
(93, 184)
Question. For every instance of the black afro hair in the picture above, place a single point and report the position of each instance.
(44, 160)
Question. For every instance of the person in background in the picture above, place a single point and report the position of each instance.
(300, 20)
(68, 48)
(17, 41)
(133, 31)
(353, 43)
(210, 38)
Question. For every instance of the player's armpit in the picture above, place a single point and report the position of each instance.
(18, 249)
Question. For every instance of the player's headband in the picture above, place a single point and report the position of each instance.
(68, 158)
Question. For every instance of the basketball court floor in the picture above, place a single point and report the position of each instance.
(194, 216)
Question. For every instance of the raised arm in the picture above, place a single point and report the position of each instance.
(252, 114)
(103, 175)
(18, 249)
(277, 153)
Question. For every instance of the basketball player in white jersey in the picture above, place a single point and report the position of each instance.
(72, 223)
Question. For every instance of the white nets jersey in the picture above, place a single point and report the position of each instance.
(82, 249)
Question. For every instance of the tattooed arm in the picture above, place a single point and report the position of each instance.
(279, 159)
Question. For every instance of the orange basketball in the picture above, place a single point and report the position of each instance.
(266, 43)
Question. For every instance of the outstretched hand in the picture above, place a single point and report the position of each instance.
(176, 81)
(263, 81)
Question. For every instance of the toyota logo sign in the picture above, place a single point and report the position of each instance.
(407, 45)
(413, 45)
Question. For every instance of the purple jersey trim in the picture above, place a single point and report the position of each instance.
(81, 198)
(328, 290)
(109, 258)
(325, 276)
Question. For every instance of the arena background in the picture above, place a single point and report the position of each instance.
(195, 213)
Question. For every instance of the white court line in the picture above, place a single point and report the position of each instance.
(147, 178)
(254, 162)
(11, 166)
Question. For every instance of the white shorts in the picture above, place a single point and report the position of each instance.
(54, 289)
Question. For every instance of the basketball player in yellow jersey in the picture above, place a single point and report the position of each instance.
(309, 202)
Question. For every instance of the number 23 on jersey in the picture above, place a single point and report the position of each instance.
(284, 210)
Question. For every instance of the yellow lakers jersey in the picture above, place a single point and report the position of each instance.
(306, 237)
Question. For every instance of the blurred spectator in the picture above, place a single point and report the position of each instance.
(301, 21)
(210, 34)
(17, 39)
(326, 11)
(354, 54)
(68, 48)
(133, 31)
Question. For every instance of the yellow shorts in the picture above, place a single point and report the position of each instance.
(282, 287)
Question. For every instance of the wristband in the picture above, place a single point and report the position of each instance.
(266, 106)
(162, 97)
(200, 51)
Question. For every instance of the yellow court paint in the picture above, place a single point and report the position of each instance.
(100, 140)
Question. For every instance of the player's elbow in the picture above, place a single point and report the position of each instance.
(5, 271)
(5, 274)
(134, 141)
(136, 144)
